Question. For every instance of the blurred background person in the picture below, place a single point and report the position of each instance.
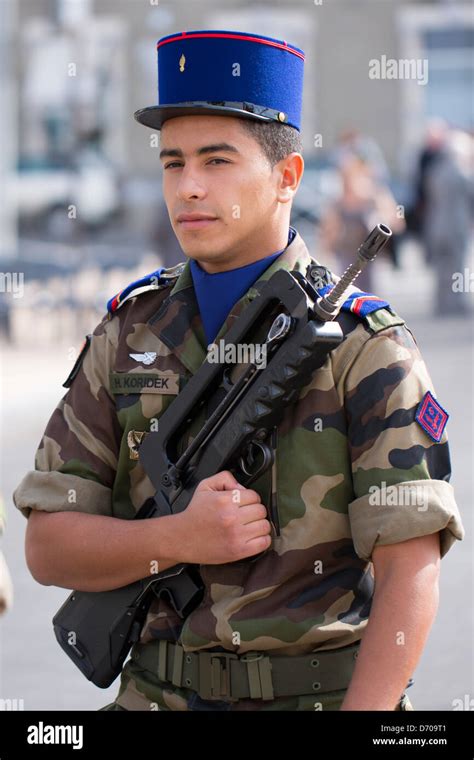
(448, 203)
(434, 141)
(365, 200)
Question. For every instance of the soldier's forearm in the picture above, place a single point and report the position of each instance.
(87, 552)
(403, 609)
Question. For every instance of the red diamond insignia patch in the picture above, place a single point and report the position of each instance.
(432, 417)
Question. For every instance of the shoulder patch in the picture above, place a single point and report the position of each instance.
(77, 364)
(157, 279)
(361, 303)
(431, 417)
(358, 302)
(376, 312)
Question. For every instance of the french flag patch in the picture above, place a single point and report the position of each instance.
(432, 417)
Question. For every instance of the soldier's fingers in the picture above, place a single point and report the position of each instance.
(257, 528)
(252, 512)
(221, 481)
(247, 496)
(257, 545)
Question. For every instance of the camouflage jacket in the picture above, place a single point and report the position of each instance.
(349, 456)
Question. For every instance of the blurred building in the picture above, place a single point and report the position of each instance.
(339, 37)
(82, 180)
(112, 44)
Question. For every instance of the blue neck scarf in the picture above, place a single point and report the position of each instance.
(217, 293)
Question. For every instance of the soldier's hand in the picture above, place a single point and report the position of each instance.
(224, 522)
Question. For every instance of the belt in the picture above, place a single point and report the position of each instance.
(253, 675)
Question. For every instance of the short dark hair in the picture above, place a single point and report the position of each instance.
(276, 140)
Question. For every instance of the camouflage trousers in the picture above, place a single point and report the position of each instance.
(142, 690)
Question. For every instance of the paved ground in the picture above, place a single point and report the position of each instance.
(34, 668)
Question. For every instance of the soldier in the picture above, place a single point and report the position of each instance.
(360, 477)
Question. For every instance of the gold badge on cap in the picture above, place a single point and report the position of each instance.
(182, 61)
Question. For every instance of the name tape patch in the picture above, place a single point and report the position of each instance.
(144, 382)
(432, 417)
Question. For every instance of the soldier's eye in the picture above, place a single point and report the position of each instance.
(219, 161)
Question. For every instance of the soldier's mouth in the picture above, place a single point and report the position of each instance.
(195, 224)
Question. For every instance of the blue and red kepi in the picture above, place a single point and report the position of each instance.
(227, 73)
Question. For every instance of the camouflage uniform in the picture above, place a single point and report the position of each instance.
(352, 428)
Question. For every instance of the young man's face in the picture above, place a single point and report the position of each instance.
(216, 172)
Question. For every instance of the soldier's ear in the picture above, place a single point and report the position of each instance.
(289, 172)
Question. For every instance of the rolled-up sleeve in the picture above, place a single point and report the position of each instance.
(76, 460)
(400, 473)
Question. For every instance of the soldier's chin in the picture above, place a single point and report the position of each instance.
(193, 245)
